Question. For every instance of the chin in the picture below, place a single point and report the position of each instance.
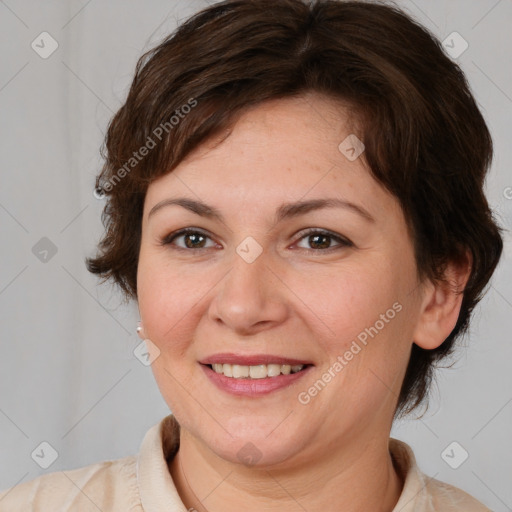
(255, 454)
(256, 446)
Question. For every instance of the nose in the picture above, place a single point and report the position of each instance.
(251, 297)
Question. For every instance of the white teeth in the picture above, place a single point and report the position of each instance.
(273, 370)
(240, 371)
(260, 371)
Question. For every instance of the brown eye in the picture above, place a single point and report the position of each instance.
(321, 240)
(192, 239)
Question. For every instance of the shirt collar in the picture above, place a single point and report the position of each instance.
(414, 497)
(156, 487)
(161, 442)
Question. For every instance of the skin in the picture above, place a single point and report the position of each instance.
(294, 300)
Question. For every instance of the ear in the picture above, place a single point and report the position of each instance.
(441, 305)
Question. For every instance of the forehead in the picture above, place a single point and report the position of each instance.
(281, 149)
(297, 127)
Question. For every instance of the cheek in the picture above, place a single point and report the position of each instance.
(349, 301)
(166, 304)
(369, 319)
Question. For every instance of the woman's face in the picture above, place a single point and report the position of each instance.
(254, 287)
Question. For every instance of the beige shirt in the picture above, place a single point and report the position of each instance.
(143, 483)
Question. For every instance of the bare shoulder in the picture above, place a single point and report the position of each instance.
(85, 488)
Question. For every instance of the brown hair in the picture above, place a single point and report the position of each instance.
(425, 139)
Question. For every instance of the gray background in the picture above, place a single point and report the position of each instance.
(68, 375)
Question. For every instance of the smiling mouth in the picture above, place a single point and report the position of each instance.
(260, 371)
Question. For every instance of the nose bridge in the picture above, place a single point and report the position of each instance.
(249, 294)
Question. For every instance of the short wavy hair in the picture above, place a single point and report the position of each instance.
(425, 139)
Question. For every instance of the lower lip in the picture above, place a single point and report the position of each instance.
(252, 387)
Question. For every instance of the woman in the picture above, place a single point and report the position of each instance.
(294, 199)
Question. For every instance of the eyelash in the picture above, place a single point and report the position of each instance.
(343, 242)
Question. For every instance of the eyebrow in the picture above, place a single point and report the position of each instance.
(285, 211)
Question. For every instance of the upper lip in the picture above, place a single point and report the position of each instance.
(251, 360)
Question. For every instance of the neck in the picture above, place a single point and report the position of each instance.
(354, 478)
